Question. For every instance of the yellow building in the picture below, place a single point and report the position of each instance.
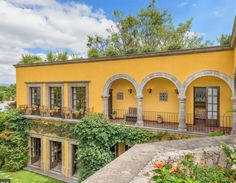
(184, 90)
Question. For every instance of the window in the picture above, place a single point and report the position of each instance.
(35, 151)
(120, 96)
(79, 98)
(55, 97)
(163, 96)
(35, 96)
(56, 156)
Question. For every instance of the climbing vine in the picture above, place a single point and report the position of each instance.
(14, 130)
(96, 136)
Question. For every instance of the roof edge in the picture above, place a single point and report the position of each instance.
(133, 56)
(233, 40)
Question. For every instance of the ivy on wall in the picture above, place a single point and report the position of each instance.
(96, 136)
(14, 130)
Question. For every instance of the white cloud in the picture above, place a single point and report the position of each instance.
(182, 4)
(47, 25)
(218, 13)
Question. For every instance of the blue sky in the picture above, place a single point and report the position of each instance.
(36, 27)
(210, 17)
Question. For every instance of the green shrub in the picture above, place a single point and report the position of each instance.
(230, 153)
(96, 136)
(213, 134)
(189, 172)
(13, 140)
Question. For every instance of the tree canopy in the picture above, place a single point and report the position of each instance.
(7, 93)
(224, 39)
(151, 29)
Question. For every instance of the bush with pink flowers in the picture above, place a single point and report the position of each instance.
(189, 172)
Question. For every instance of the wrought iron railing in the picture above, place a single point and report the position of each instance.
(64, 112)
(170, 120)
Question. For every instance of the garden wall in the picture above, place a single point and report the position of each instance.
(136, 165)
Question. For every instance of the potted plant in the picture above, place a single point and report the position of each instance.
(54, 110)
(34, 107)
(113, 115)
(76, 113)
(159, 119)
(66, 112)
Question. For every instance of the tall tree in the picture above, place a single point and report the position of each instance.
(224, 39)
(150, 30)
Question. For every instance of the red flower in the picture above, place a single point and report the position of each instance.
(159, 165)
(172, 169)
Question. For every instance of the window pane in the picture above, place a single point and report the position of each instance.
(209, 107)
(215, 100)
(215, 91)
(209, 91)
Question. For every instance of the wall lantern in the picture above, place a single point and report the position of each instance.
(176, 91)
(149, 90)
(130, 90)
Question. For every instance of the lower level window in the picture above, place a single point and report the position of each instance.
(56, 156)
(35, 151)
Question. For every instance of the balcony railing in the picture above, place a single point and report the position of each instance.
(64, 112)
(170, 120)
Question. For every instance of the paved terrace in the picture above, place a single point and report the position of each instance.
(126, 167)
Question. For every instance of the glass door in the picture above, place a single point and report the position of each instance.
(213, 106)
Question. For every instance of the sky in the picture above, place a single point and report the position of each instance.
(38, 26)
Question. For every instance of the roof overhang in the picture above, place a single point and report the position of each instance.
(233, 40)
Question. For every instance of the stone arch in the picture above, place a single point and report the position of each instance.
(213, 73)
(116, 77)
(149, 77)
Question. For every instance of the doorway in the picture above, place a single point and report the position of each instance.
(35, 151)
(206, 106)
(110, 107)
(75, 167)
(56, 156)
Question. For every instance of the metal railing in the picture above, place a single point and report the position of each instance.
(170, 120)
(64, 112)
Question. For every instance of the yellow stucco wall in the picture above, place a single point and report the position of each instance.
(180, 66)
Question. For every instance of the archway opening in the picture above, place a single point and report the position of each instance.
(122, 102)
(160, 103)
(208, 102)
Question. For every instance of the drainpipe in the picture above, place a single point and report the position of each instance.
(182, 114)
(140, 112)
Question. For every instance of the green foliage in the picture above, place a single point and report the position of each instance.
(57, 56)
(13, 140)
(151, 29)
(7, 93)
(213, 134)
(96, 136)
(230, 153)
(189, 172)
(28, 59)
(224, 39)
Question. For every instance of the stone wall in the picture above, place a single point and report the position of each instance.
(207, 156)
(136, 165)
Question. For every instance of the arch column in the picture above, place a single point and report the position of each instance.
(105, 105)
(233, 132)
(182, 114)
(140, 111)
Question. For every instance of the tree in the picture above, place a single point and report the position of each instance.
(224, 39)
(148, 31)
(28, 59)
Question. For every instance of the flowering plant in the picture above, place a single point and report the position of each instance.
(189, 172)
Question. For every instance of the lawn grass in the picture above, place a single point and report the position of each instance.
(24, 176)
